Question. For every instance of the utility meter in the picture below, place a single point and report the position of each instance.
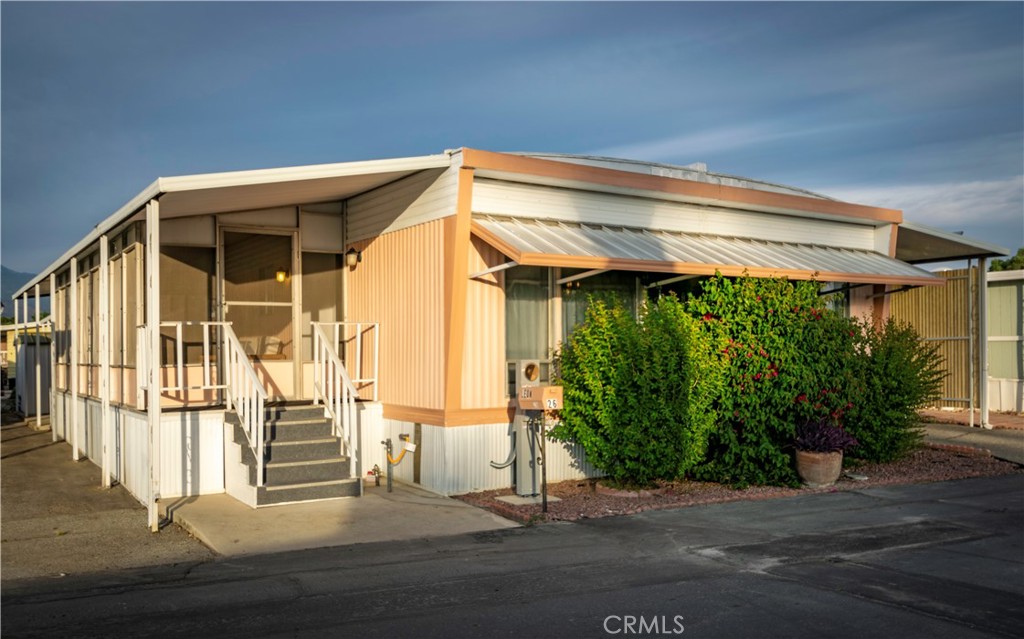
(527, 373)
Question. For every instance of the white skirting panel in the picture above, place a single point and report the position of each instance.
(456, 459)
(191, 453)
(1006, 395)
(192, 447)
(133, 433)
(58, 424)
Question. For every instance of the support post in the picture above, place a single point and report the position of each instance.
(73, 348)
(153, 346)
(39, 366)
(24, 352)
(105, 357)
(972, 300)
(54, 316)
(983, 341)
(14, 340)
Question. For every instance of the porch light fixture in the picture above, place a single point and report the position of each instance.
(281, 275)
(353, 257)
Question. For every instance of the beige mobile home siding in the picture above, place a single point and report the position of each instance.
(400, 283)
(418, 198)
(483, 358)
(531, 201)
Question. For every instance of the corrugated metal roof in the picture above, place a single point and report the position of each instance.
(552, 243)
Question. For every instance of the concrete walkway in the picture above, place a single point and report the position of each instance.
(1005, 444)
(409, 513)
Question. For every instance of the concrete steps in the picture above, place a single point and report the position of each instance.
(303, 460)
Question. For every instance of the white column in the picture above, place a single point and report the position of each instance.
(983, 340)
(24, 352)
(153, 332)
(73, 349)
(13, 337)
(39, 366)
(54, 316)
(105, 357)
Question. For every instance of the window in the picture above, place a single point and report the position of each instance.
(321, 290)
(526, 318)
(186, 294)
(612, 286)
(839, 301)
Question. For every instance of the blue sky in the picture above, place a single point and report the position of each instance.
(918, 106)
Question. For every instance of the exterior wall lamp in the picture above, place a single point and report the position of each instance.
(281, 275)
(353, 257)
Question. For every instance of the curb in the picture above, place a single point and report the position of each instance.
(959, 448)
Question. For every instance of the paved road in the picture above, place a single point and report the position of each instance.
(932, 560)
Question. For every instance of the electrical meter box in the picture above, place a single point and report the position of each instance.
(540, 398)
(527, 373)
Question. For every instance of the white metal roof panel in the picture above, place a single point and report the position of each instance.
(556, 243)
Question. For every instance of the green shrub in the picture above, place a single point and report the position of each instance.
(638, 392)
(787, 361)
(898, 374)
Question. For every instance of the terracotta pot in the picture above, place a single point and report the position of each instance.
(819, 469)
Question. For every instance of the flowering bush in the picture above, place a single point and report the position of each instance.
(715, 387)
(787, 361)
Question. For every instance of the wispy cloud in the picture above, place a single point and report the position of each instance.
(951, 205)
(690, 147)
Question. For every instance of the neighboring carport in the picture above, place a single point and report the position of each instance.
(955, 319)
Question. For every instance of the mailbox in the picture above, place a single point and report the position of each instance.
(540, 398)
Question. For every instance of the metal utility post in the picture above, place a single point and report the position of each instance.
(544, 462)
(387, 448)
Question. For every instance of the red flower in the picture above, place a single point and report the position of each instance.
(758, 376)
(801, 398)
(707, 316)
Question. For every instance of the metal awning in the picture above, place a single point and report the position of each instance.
(919, 243)
(240, 190)
(533, 242)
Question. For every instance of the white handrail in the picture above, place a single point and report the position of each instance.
(332, 384)
(351, 347)
(243, 391)
(246, 395)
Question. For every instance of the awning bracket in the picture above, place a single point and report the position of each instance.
(493, 269)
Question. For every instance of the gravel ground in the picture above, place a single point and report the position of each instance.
(58, 522)
(581, 499)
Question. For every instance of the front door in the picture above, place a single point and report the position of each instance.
(258, 293)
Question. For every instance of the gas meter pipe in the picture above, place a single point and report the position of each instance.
(393, 461)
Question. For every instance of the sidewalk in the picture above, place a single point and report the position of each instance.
(1004, 443)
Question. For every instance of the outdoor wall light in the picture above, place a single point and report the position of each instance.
(281, 275)
(353, 257)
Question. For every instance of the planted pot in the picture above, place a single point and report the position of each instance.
(818, 470)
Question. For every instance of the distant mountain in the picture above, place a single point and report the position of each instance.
(10, 282)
